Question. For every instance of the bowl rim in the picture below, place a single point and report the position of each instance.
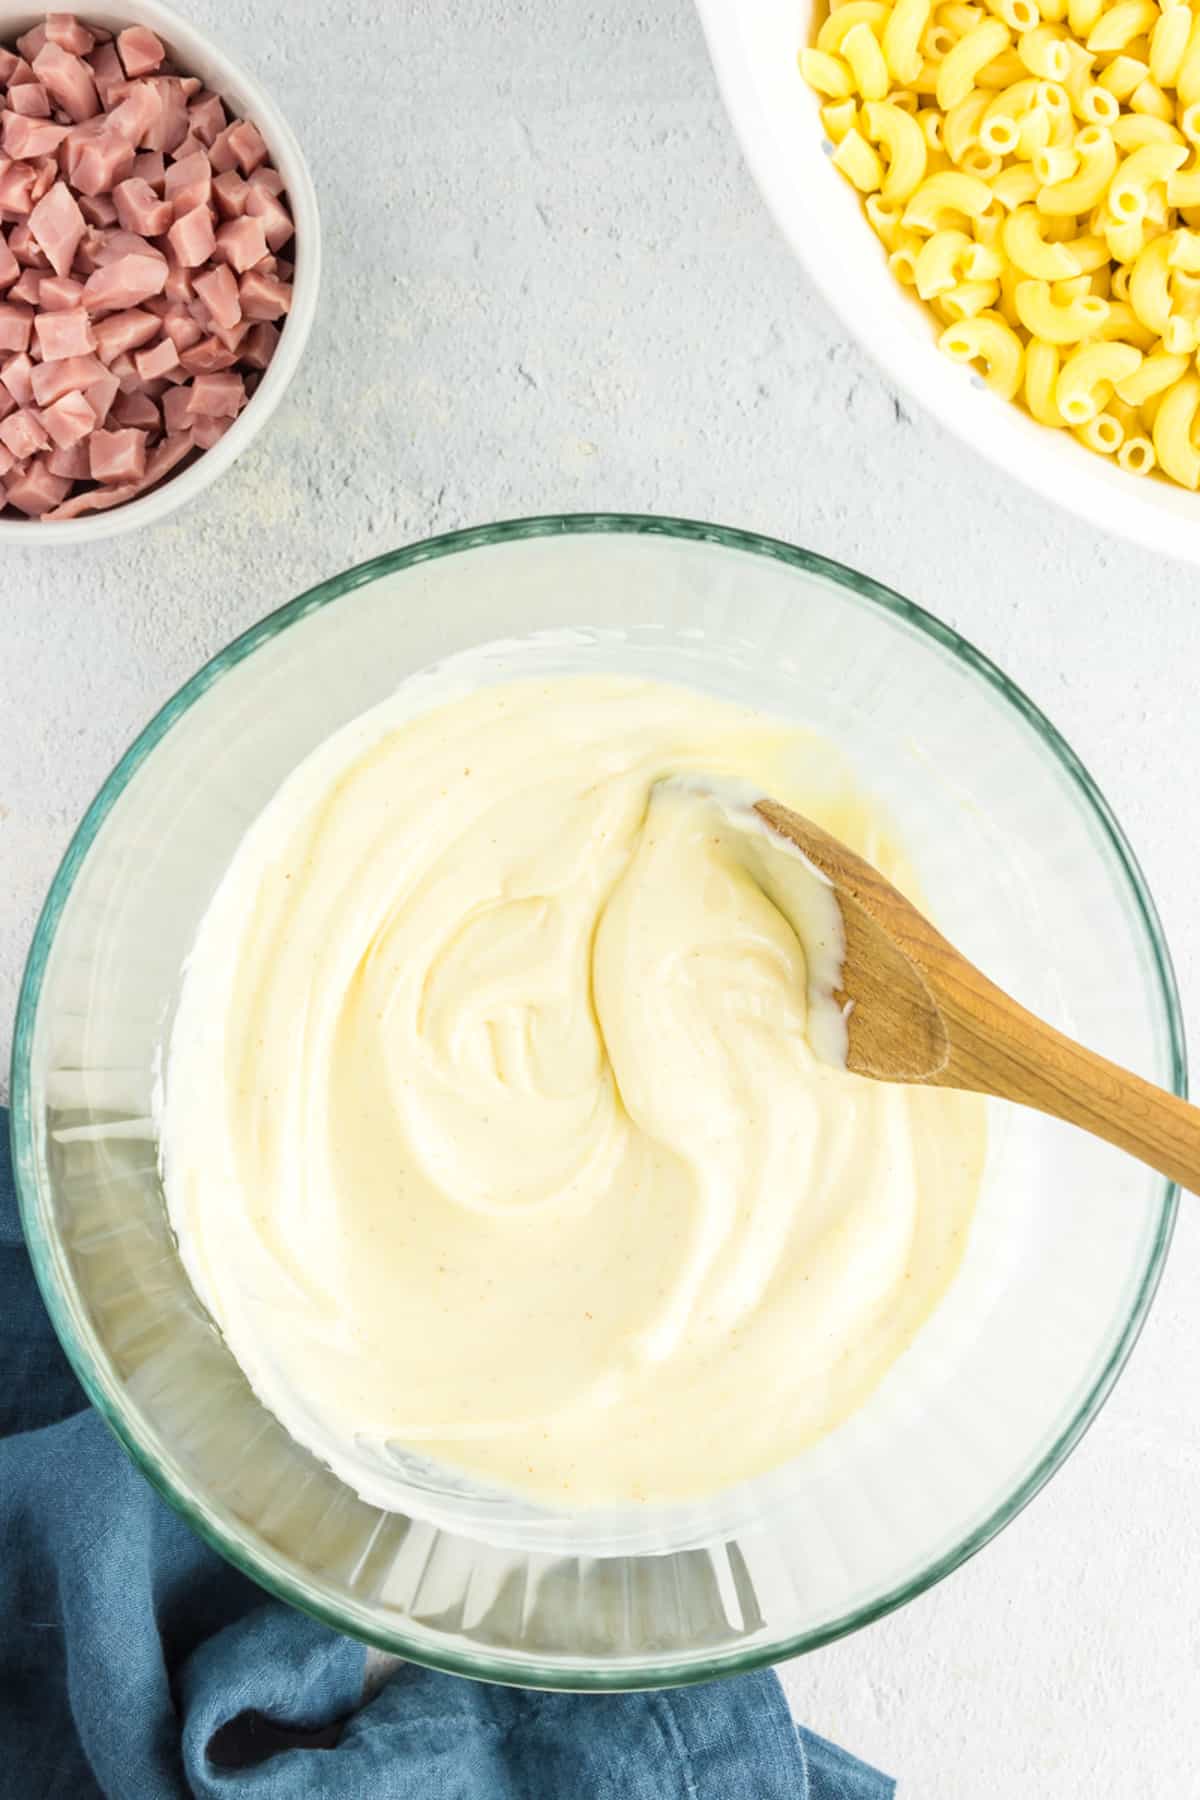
(285, 152)
(47, 1263)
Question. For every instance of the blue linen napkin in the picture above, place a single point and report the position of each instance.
(136, 1664)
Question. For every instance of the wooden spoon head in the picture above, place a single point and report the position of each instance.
(896, 1031)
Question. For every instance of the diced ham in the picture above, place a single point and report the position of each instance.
(264, 296)
(35, 490)
(68, 421)
(208, 431)
(176, 408)
(137, 410)
(230, 193)
(98, 209)
(141, 282)
(191, 238)
(26, 248)
(150, 166)
(182, 329)
(189, 183)
(16, 187)
(116, 244)
(68, 81)
(206, 117)
(218, 289)
(16, 325)
(107, 72)
(140, 209)
(61, 334)
(24, 434)
(97, 157)
(59, 293)
(50, 381)
(124, 283)
(140, 51)
(28, 289)
(73, 460)
(259, 345)
(65, 30)
(117, 455)
(207, 357)
(95, 500)
(156, 361)
(246, 142)
(242, 243)
(138, 115)
(268, 178)
(17, 378)
(275, 217)
(123, 332)
(102, 394)
(57, 224)
(23, 139)
(30, 100)
(171, 127)
(218, 396)
(32, 41)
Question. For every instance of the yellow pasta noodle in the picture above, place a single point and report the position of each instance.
(864, 57)
(1042, 363)
(1172, 432)
(970, 55)
(1089, 377)
(902, 38)
(1054, 321)
(989, 340)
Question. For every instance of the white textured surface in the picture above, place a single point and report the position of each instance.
(551, 286)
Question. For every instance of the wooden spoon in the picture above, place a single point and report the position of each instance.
(923, 1013)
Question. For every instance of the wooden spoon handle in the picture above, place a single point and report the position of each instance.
(999, 1048)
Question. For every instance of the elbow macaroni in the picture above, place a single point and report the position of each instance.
(1032, 168)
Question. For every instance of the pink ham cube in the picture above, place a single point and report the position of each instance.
(98, 209)
(102, 394)
(123, 332)
(181, 328)
(263, 296)
(24, 434)
(58, 225)
(97, 157)
(207, 357)
(259, 345)
(137, 410)
(35, 490)
(218, 396)
(140, 51)
(107, 72)
(140, 209)
(65, 30)
(274, 215)
(189, 183)
(23, 139)
(16, 325)
(157, 361)
(245, 140)
(242, 243)
(191, 238)
(124, 283)
(171, 126)
(68, 81)
(206, 118)
(69, 421)
(59, 293)
(61, 334)
(117, 455)
(50, 381)
(138, 114)
(10, 268)
(71, 462)
(218, 289)
(17, 378)
(230, 193)
(30, 100)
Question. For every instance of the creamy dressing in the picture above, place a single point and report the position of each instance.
(500, 1125)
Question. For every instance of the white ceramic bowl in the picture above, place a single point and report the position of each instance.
(198, 55)
(754, 45)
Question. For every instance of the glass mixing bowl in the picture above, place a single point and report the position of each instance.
(1024, 868)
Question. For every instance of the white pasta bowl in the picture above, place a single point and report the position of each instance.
(754, 46)
(197, 54)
